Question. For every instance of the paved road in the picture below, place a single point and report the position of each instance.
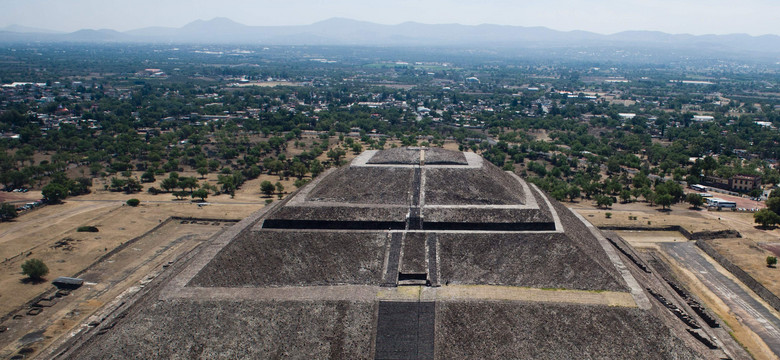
(748, 310)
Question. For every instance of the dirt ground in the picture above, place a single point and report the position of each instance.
(649, 238)
(648, 216)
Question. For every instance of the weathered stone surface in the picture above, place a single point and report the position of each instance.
(500, 330)
(185, 329)
(285, 258)
(397, 156)
(487, 185)
(437, 156)
(529, 260)
(359, 185)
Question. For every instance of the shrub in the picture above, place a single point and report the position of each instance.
(608, 215)
(35, 269)
(771, 261)
(87, 229)
(133, 202)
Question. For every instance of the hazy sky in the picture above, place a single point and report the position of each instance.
(755, 17)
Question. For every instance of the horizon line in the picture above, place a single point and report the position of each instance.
(41, 30)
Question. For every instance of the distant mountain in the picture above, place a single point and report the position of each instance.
(89, 35)
(339, 31)
(27, 29)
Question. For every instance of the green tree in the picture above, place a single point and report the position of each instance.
(773, 203)
(169, 183)
(336, 154)
(274, 166)
(35, 269)
(188, 182)
(315, 168)
(213, 165)
(148, 176)
(298, 169)
(228, 184)
(613, 166)
(180, 195)
(200, 193)
(54, 193)
(573, 192)
(132, 185)
(203, 171)
(117, 184)
(95, 168)
(559, 194)
(664, 200)
(766, 217)
(133, 202)
(695, 200)
(301, 182)
(7, 211)
(267, 187)
(253, 172)
(625, 195)
(640, 180)
(672, 188)
(603, 201)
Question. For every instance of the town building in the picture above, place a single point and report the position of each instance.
(740, 183)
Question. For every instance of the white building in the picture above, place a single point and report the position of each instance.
(703, 118)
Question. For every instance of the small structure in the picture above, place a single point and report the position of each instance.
(64, 282)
